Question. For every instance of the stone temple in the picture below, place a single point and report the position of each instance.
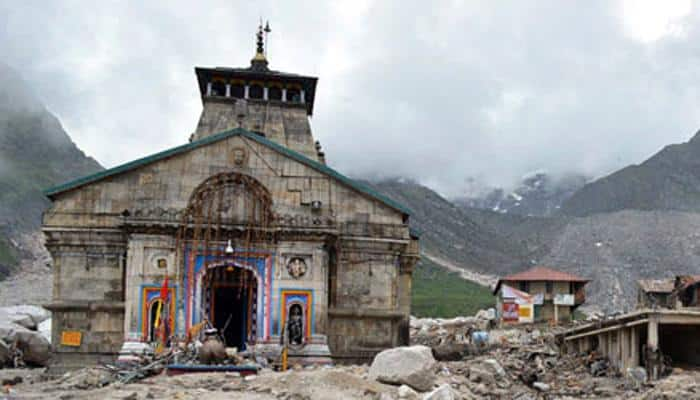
(248, 224)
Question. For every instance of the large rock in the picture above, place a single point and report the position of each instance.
(8, 331)
(450, 351)
(5, 355)
(34, 346)
(45, 329)
(26, 315)
(36, 350)
(413, 366)
(22, 320)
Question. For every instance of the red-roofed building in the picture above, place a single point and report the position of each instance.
(556, 294)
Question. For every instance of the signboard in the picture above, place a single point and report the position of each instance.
(525, 313)
(510, 312)
(71, 338)
(564, 299)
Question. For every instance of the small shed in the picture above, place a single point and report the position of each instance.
(555, 294)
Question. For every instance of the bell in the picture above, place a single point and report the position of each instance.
(229, 248)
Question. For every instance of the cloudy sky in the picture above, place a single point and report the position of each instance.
(437, 91)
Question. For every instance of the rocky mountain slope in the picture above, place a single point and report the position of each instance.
(669, 180)
(35, 153)
(448, 233)
(538, 194)
(614, 250)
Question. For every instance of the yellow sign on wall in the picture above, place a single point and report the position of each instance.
(71, 338)
(525, 312)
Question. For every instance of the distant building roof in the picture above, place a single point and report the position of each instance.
(540, 274)
(656, 285)
(682, 282)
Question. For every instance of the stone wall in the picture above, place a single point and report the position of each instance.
(286, 124)
(162, 189)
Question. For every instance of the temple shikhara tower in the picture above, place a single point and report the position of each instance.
(252, 230)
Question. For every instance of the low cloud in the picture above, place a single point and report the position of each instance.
(487, 90)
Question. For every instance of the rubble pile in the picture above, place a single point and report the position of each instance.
(519, 363)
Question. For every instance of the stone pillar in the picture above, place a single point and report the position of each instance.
(653, 334)
(265, 91)
(246, 92)
(653, 354)
(208, 88)
(634, 347)
(302, 96)
(228, 90)
(624, 348)
(284, 94)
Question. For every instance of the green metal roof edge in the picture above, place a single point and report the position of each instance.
(50, 192)
(327, 170)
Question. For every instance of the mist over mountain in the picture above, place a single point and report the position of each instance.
(35, 153)
(538, 194)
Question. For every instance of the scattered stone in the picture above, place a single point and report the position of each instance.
(405, 392)
(638, 375)
(12, 381)
(542, 387)
(131, 396)
(444, 392)
(413, 366)
(450, 351)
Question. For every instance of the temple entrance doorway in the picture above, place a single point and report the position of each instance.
(230, 303)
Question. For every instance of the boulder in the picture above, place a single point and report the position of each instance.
(22, 320)
(444, 392)
(450, 351)
(413, 366)
(34, 346)
(8, 331)
(541, 386)
(5, 354)
(26, 315)
(36, 350)
(45, 329)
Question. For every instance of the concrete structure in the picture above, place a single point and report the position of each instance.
(555, 294)
(654, 293)
(646, 337)
(249, 226)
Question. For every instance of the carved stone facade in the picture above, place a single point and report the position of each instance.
(330, 249)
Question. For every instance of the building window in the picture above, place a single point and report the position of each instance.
(549, 287)
(218, 88)
(256, 92)
(237, 91)
(525, 286)
(293, 96)
(274, 93)
(162, 263)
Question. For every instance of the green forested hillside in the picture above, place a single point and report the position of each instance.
(441, 293)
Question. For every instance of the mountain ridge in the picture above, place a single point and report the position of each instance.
(35, 153)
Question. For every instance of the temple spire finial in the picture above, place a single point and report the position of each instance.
(259, 62)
